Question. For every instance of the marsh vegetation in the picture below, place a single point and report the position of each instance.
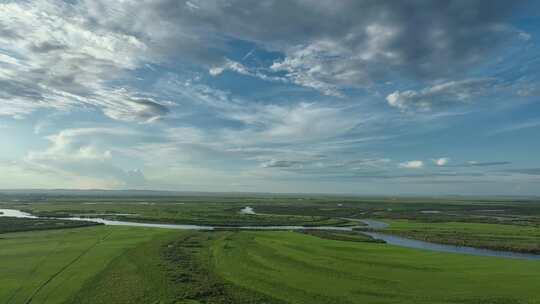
(57, 261)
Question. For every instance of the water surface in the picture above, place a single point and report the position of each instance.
(370, 224)
(412, 243)
(247, 210)
(15, 213)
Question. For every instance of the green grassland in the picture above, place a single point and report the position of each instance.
(106, 264)
(179, 211)
(176, 268)
(299, 268)
(137, 265)
(493, 236)
(314, 210)
(114, 265)
(51, 266)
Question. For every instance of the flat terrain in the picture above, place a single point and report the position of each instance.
(51, 266)
(114, 265)
(56, 261)
(520, 238)
(135, 265)
(299, 268)
(281, 210)
(196, 211)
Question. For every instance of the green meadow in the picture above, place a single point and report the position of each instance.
(51, 266)
(55, 261)
(520, 238)
(139, 265)
(299, 268)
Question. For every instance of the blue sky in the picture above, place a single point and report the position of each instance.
(364, 97)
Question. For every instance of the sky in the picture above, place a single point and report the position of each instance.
(357, 97)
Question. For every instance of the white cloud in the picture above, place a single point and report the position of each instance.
(327, 65)
(88, 154)
(274, 163)
(237, 67)
(441, 161)
(272, 123)
(444, 94)
(413, 164)
(61, 55)
(229, 65)
(55, 58)
(524, 36)
(354, 43)
(81, 144)
(86, 55)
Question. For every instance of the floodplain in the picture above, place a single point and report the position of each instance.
(48, 258)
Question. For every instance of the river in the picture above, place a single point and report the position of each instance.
(412, 243)
(371, 224)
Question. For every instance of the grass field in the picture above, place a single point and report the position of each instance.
(213, 212)
(314, 210)
(299, 268)
(492, 236)
(114, 265)
(51, 266)
(111, 264)
(134, 265)
(174, 268)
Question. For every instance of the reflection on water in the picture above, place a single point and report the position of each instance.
(15, 213)
(372, 224)
(247, 210)
(135, 224)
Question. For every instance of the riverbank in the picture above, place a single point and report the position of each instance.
(515, 238)
(369, 226)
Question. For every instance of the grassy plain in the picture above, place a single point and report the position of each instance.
(106, 264)
(311, 210)
(214, 211)
(176, 268)
(136, 265)
(133, 265)
(299, 268)
(114, 265)
(51, 266)
(493, 236)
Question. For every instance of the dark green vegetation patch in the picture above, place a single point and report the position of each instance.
(12, 224)
(350, 236)
(174, 268)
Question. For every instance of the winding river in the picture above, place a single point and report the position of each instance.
(371, 224)
(412, 243)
